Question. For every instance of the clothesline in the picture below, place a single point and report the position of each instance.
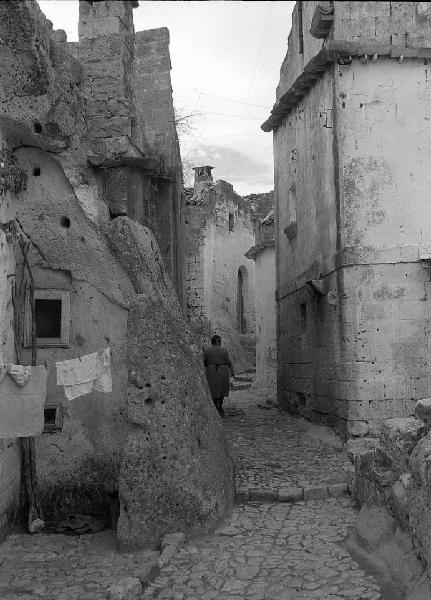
(54, 364)
(23, 390)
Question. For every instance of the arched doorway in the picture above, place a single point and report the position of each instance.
(240, 299)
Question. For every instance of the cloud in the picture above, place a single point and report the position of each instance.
(242, 170)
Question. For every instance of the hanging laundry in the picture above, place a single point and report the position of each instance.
(79, 376)
(19, 373)
(104, 382)
(22, 405)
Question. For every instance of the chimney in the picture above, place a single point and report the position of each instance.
(203, 177)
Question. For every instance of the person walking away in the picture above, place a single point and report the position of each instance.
(218, 366)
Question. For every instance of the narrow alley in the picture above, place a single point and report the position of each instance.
(215, 286)
(282, 540)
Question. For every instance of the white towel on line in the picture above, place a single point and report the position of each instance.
(80, 376)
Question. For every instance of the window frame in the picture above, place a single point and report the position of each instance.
(58, 424)
(49, 294)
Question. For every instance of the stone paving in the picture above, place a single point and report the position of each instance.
(60, 567)
(273, 453)
(271, 551)
(286, 550)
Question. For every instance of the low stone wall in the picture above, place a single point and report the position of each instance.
(393, 470)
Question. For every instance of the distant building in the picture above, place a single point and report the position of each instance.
(219, 279)
(353, 216)
(263, 254)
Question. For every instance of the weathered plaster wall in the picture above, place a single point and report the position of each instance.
(214, 255)
(386, 229)
(78, 465)
(266, 334)
(358, 354)
(10, 457)
(306, 246)
(122, 298)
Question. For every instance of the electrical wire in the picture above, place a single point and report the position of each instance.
(196, 91)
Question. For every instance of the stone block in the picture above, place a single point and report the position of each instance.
(129, 588)
(398, 439)
(356, 447)
(166, 556)
(357, 428)
(337, 489)
(242, 495)
(293, 494)
(174, 539)
(147, 571)
(423, 410)
(263, 495)
(374, 527)
(315, 492)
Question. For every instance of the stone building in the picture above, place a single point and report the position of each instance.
(219, 279)
(90, 183)
(263, 254)
(353, 233)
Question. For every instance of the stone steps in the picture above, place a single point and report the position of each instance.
(241, 385)
(292, 494)
(245, 377)
(243, 381)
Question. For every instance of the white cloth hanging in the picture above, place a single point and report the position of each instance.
(80, 376)
(22, 405)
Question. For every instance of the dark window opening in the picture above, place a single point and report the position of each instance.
(65, 222)
(231, 221)
(114, 215)
(48, 318)
(50, 415)
(36, 171)
(303, 315)
(37, 128)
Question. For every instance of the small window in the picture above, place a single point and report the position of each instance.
(231, 221)
(53, 418)
(36, 171)
(52, 315)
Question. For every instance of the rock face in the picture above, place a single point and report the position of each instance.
(175, 472)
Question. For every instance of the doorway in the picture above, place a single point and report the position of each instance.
(240, 299)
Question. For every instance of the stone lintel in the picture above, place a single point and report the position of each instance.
(149, 164)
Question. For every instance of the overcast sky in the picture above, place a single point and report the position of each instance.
(226, 58)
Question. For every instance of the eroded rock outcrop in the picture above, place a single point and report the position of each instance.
(175, 472)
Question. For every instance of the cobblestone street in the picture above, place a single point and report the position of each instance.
(274, 456)
(289, 549)
(282, 541)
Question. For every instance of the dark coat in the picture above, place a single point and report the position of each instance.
(218, 368)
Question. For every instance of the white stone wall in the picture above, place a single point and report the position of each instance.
(224, 255)
(214, 255)
(266, 333)
(355, 150)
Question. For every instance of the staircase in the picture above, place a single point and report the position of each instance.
(244, 381)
